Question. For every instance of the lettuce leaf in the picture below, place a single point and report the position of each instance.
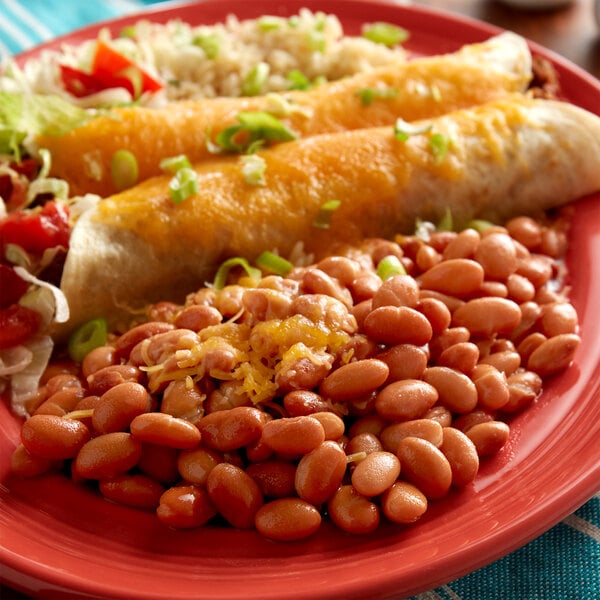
(27, 116)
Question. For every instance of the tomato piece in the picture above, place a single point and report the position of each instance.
(12, 287)
(78, 83)
(17, 324)
(35, 231)
(117, 70)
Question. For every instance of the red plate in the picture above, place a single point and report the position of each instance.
(58, 537)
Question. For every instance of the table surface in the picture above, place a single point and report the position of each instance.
(572, 32)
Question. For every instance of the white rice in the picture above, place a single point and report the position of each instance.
(312, 43)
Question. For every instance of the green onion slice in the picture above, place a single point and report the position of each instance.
(253, 169)
(447, 222)
(479, 225)
(223, 271)
(86, 337)
(269, 261)
(323, 218)
(439, 146)
(172, 164)
(385, 33)
(368, 95)
(404, 130)
(123, 169)
(183, 185)
(255, 80)
(298, 80)
(209, 44)
(389, 266)
(269, 23)
(257, 126)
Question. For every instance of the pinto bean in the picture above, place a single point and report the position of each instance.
(53, 437)
(185, 507)
(558, 318)
(427, 429)
(405, 400)
(463, 245)
(458, 277)
(488, 316)
(398, 325)
(107, 456)
(488, 437)
(399, 290)
(126, 342)
(293, 435)
(375, 473)
(160, 428)
(197, 317)
(403, 502)
(320, 472)
(461, 357)
(354, 379)
(287, 519)
(425, 466)
(456, 391)
(554, 355)
(231, 429)
(462, 455)
(404, 361)
(497, 254)
(437, 313)
(352, 512)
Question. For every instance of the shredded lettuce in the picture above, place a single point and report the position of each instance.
(29, 115)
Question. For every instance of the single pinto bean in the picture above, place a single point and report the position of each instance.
(399, 290)
(333, 425)
(138, 491)
(462, 455)
(463, 245)
(405, 361)
(488, 437)
(497, 254)
(197, 317)
(230, 429)
(425, 466)
(103, 379)
(107, 456)
(456, 277)
(194, 465)
(492, 389)
(426, 429)
(304, 402)
(363, 442)
(352, 512)
(160, 428)
(235, 494)
(320, 473)
(375, 473)
(185, 507)
(128, 340)
(287, 519)
(53, 437)
(275, 478)
(405, 400)
(488, 316)
(554, 355)
(558, 318)
(398, 325)
(403, 503)
(293, 435)
(119, 405)
(437, 313)
(354, 379)
(456, 391)
(462, 357)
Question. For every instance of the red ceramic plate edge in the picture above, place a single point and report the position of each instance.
(568, 487)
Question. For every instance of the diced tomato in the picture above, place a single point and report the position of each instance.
(35, 231)
(12, 287)
(110, 69)
(17, 324)
(78, 83)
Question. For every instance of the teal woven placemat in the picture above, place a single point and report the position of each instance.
(561, 564)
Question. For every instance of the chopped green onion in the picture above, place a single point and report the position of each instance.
(253, 169)
(254, 127)
(172, 164)
(223, 271)
(435, 92)
(323, 218)
(269, 261)
(123, 169)
(183, 185)
(368, 95)
(255, 80)
(128, 32)
(439, 146)
(403, 130)
(293, 22)
(269, 23)
(479, 225)
(316, 41)
(86, 337)
(210, 45)
(298, 80)
(447, 222)
(385, 33)
(389, 266)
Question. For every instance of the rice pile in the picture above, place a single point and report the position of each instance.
(215, 60)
